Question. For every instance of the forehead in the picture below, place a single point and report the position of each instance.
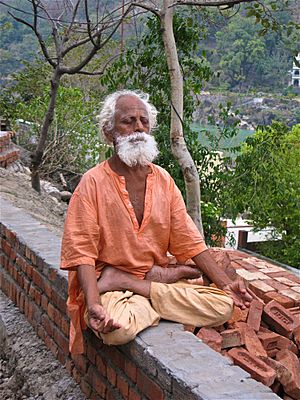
(127, 105)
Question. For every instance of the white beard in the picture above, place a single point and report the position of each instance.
(139, 148)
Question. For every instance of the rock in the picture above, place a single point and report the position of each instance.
(65, 195)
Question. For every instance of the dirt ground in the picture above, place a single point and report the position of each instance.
(16, 188)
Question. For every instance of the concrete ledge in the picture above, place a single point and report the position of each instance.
(164, 362)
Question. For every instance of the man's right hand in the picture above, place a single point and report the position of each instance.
(100, 321)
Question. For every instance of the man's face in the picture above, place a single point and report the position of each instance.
(131, 116)
(131, 133)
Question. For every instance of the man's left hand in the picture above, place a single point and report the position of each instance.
(240, 294)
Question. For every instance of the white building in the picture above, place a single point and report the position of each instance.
(296, 73)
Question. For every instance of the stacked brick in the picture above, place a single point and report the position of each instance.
(8, 151)
(264, 340)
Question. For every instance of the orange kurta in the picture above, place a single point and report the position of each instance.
(101, 228)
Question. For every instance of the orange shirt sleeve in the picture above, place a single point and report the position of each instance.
(185, 239)
(81, 238)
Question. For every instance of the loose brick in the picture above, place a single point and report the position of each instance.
(285, 301)
(251, 340)
(273, 341)
(260, 288)
(284, 281)
(255, 313)
(276, 285)
(238, 315)
(292, 294)
(231, 338)
(149, 388)
(291, 362)
(256, 368)
(297, 337)
(279, 318)
(250, 276)
(211, 337)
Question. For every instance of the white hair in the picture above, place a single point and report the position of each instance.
(107, 113)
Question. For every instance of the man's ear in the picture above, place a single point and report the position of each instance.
(108, 134)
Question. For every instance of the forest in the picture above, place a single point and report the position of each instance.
(245, 50)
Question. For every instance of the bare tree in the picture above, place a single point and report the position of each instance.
(73, 24)
(164, 10)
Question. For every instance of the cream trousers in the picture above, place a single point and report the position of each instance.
(179, 302)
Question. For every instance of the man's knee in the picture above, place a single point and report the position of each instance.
(120, 336)
(223, 310)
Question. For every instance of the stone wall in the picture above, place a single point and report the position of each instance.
(164, 362)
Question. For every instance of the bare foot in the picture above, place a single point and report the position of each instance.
(172, 274)
(113, 279)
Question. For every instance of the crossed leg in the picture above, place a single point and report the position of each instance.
(144, 302)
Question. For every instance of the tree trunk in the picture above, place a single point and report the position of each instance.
(37, 156)
(178, 145)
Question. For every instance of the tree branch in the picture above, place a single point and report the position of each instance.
(38, 35)
(209, 3)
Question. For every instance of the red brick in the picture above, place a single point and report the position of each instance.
(284, 281)
(256, 368)
(238, 315)
(65, 326)
(291, 362)
(38, 279)
(279, 318)
(115, 356)
(26, 284)
(260, 288)
(51, 345)
(44, 302)
(69, 366)
(251, 340)
(111, 375)
(91, 353)
(59, 302)
(276, 285)
(98, 384)
(101, 365)
(211, 337)
(272, 341)
(80, 362)
(22, 263)
(297, 337)
(285, 301)
(61, 356)
(292, 294)
(47, 289)
(123, 387)
(255, 313)
(47, 324)
(76, 375)
(29, 270)
(149, 388)
(85, 388)
(133, 395)
(61, 341)
(130, 370)
(41, 332)
(6, 247)
(231, 338)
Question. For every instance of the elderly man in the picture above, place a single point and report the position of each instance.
(124, 218)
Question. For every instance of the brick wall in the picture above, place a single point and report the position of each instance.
(8, 151)
(161, 363)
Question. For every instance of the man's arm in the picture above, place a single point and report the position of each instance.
(236, 289)
(98, 319)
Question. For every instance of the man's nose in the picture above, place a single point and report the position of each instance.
(139, 127)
